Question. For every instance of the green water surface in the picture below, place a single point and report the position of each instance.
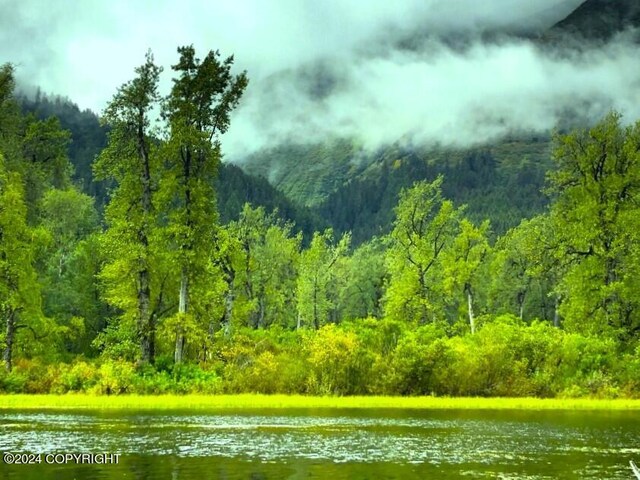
(315, 444)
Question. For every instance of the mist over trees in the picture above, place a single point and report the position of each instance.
(155, 290)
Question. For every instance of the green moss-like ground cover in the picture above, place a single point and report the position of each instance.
(249, 401)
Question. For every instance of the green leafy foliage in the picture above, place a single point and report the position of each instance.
(264, 267)
(88, 137)
(596, 223)
(464, 265)
(524, 270)
(133, 275)
(20, 302)
(317, 286)
(505, 357)
(424, 228)
(365, 275)
(197, 111)
(160, 292)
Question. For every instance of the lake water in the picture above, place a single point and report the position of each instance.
(315, 444)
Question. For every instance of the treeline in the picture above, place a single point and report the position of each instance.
(161, 295)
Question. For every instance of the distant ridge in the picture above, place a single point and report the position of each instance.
(599, 20)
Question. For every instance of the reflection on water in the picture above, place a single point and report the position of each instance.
(344, 444)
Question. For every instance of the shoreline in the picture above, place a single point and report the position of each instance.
(280, 401)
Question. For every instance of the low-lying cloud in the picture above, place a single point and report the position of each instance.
(443, 95)
(373, 71)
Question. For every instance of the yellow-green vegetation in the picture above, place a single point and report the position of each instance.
(256, 401)
(504, 358)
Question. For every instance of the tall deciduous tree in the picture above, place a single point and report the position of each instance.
(45, 147)
(364, 276)
(266, 267)
(597, 223)
(425, 225)
(69, 287)
(317, 281)
(9, 123)
(20, 302)
(198, 110)
(462, 263)
(130, 159)
(525, 269)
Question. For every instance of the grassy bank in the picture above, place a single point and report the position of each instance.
(160, 402)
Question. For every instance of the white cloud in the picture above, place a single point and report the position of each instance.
(101, 41)
(445, 96)
(365, 86)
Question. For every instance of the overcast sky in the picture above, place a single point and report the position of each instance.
(84, 49)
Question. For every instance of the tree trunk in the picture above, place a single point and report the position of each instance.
(183, 302)
(229, 299)
(7, 355)
(145, 322)
(177, 356)
(423, 292)
(556, 313)
(521, 297)
(182, 310)
(472, 318)
(316, 321)
(261, 311)
(228, 309)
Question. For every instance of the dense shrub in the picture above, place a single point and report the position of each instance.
(339, 365)
(505, 357)
(263, 361)
(77, 377)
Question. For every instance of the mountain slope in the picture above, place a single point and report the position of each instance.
(502, 182)
(306, 173)
(88, 137)
(599, 20)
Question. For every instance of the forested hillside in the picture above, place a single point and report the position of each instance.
(88, 137)
(502, 183)
(355, 191)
